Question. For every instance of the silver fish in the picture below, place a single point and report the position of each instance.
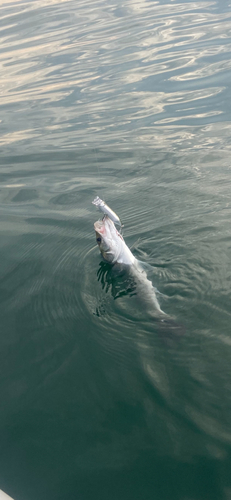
(107, 210)
(115, 251)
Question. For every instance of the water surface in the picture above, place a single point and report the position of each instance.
(129, 101)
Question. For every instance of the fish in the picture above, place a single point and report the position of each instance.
(107, 210)
(115, 251)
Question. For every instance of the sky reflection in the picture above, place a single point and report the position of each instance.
(100, 73)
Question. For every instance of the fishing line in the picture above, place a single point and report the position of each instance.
(97, 163)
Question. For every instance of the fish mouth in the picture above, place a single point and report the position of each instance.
(99, 226)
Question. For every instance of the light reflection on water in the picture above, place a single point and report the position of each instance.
(104, 73)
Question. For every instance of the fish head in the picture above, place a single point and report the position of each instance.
(109, 240)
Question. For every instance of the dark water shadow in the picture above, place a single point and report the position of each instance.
(117, 281)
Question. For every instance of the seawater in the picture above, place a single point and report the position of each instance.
(131, 102)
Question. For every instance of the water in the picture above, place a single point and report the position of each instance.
(131, 102)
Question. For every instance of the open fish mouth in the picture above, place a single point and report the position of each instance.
(98, 225)
(101, 226)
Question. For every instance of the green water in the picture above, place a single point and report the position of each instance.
(129, 101)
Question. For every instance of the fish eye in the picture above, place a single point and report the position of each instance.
(98, 239)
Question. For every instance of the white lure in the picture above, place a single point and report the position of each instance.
(107, 210)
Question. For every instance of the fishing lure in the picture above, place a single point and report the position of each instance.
(107, 210)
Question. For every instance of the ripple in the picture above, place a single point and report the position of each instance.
(130, 102)
(93, 74)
